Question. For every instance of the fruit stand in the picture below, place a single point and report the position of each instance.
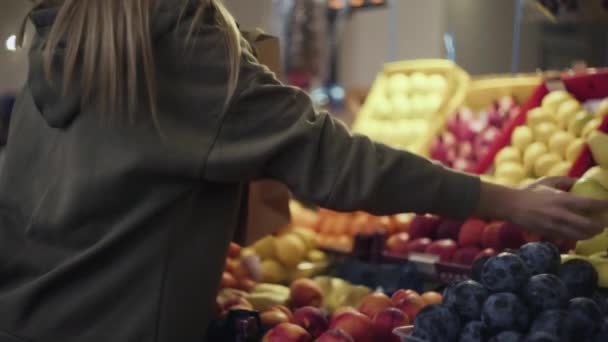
(333, 276)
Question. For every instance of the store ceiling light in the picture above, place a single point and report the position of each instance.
(11, 43)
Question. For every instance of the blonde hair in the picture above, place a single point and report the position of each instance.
(110, 39)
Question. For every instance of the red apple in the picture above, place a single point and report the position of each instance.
(418, 245)
(511, 236)
(387, 320)
(489, 252)
(443, 248)
(401, 294)
(491, 236)
(305, 292)
(287, 332)
(373, 303)
(397, 243)
(465, 255)
(471, 233)
(311, 319)
(449, 229)
(410, 303)
(339, 311)
(357, 325)
(423, 226)
(335, 335)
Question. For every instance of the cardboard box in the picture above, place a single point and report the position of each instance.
(268, 200)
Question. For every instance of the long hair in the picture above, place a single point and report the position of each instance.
(111, 41)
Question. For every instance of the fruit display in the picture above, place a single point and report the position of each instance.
(409, 102)
(337, 230)
(549, 142)
(523, 295)
(237, 274)
(470, 134)
(373, 318)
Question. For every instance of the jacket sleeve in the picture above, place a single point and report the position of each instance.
(273, 131)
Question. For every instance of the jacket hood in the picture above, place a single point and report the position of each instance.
(60, 110)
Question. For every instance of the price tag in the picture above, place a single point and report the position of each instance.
(425, 263)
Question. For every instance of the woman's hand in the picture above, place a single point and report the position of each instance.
(545, 208)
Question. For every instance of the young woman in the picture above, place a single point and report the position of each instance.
(129, 147)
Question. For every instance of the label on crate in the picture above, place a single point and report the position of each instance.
(425, 263)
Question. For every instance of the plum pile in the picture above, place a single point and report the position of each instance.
(524, 295)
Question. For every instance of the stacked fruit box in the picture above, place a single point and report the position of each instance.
(409, 102)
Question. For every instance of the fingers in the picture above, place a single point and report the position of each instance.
(575, 224)
(584, 204)
(561, 183)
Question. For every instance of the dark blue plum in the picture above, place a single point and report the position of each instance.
(474, 331)
(477, 268)
(584, 319)
(545, 292)
(423, 335)
(602, 335)
(552, 322)
(540, 258)
(505, 272)
(466, 299)
(439, 322)
(602, 302)
(507, 336)
(554, 249)
(580, 277)
(505, 311)
(541, 336)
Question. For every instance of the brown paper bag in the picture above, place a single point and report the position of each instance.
(268, 201)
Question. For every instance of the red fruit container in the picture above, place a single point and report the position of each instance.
(584, 86)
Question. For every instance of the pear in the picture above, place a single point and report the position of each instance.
(533, 152)
(565, 111)
(508, 154)
(596, 244)
(598, 174)
(544, 163)
(544, 130)
(578, 121)
(591, 188)
(537, 115)
(552, 100)
(574, 149)
(600, 262)
(559, 142)
(598, 143)
(522, 137)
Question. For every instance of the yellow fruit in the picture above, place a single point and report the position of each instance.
(544, 163)
(577, 123)
(587, 187)
(532, 153)
(560, 169)
(307, 235)
(316, 255)
(596, 244)
(272, 272)
(552, 100)
(559, 142)
(602, 108)
(265, 247)
(508, 154)
(522, 137)
(600, 262)
(544, 130)
(565, 111)
(536, 116)
(512, 172)
(599, 175)
(290, 249)
(527, 181)
(590, 126)
(598, 144)
(574, 149)
(248, 251)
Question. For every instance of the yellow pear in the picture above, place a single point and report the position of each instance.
(532, 153)
(568, 257)
(560, 169)
(578, 121)
(559, 142)
(590, 127)
(600, 262)
(544, 163)
(552, 100)
(565, 111)
(307, 235)
(587, 187)
(544, 130)
(598, 174)
(537, 115)
(265, 247)
(596, 244)
(598, 143)
(508, 154)
(574, 149)
(511, 172)
(602, 108)
(273, 272)
(290, 249)
(522, 137)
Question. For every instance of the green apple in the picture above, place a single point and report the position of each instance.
(578, 121)
(596, 244)
(600, 262)
(598, 143)
(565, 111)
